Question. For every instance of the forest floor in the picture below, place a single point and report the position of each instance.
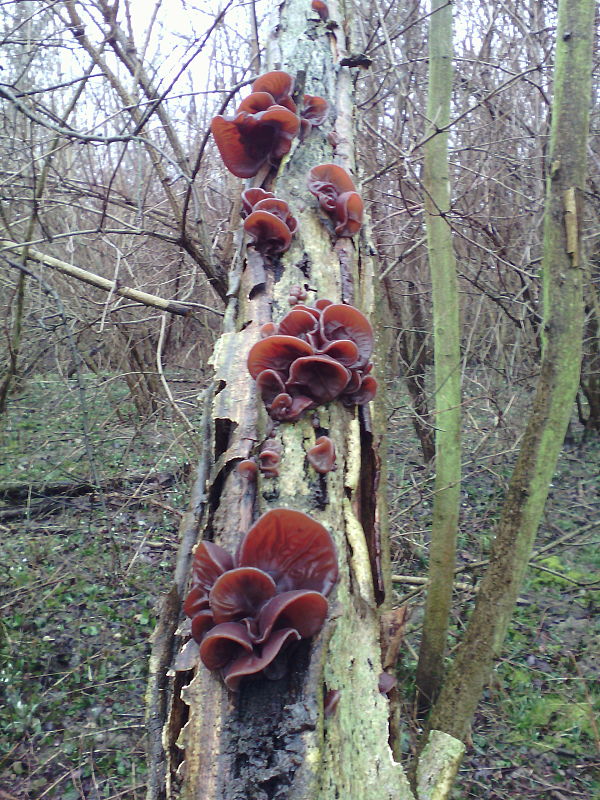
(82, 572)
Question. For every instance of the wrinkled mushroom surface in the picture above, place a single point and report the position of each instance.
(335, 190)
(315, 355)
(247, 610)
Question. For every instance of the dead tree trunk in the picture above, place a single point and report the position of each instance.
(272, 739)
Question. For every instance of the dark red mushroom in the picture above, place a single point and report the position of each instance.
(364, 394)
(250, 197)
(321, 455)
(240, 593)
(321, 8)
(256, 662)
(336, 192)
(269, 458)
(276, 353)
(293, 548)
(251, 139)
(340, 321)
(273, 594)
(319, 377)
(297, 322)
(286, 408)
(247, 469)
(269, 385)
(280, 85)
(268, 233)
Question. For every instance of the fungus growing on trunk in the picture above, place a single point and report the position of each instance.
(261, 131)
(321, 455)
(280, 85)
(268, 221)
(315, 355)
(270, 457)
(321, 8)
(246, 611)
(337, 195)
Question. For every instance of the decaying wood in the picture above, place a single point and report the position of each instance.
(272, 741)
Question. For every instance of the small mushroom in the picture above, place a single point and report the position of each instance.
(337, 195)
(269, 458)
(319, 377)
(321, 8)
(321, 455)
(280, 85)
(277, 353)
(268, 233)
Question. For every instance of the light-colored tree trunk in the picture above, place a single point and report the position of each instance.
(272, 739)
(553, 402)
(446, 351)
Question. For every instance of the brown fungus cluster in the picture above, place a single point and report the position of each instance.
(315, 355)
(335, 190)
(264, 125)
(247, 610)
(268, 221)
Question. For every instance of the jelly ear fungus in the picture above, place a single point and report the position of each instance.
(247, 611)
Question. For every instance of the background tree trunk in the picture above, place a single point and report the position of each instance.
(446, 353)
(553, 403)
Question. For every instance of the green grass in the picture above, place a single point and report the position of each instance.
(79, 592)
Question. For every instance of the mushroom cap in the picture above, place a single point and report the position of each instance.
(279, 84)
(210, 561)
(276, 353)
(269, 385)
(349, 210)
(247, 469)
(293, 548)
(319, 377)
(303, 610)
(270, 235)
(341, 321)
(250, 197)
(342, 350)
(240, 593)
(253, 663)
(315, 109)
(321, 455)
(329, 179)
(223, 643)
(321, 8)
(286, 408)
(364, 394)
(298, 322)
(280, 209)
(256, 102)
(249, 140)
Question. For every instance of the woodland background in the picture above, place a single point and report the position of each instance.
(106, 163)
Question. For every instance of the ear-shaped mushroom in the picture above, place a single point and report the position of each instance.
(336, 192)
(202, 622)
(286, 408)
(269, 385)
(293, 548)
(340, 321)
(250, 197)
(315, 109)
(277, 353)
(249, 140)
(319, 377)
(344, 351)
(349, 210)
(280, 209)
(280, 85)
(321, 455)
(252, 663)
(210, 561)
(364, 394)
(303, 610)
(297, 322)
(321, 8)
(247, 469)
(268, 233)
(223, 644)
(240, 593)
(269, 457)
